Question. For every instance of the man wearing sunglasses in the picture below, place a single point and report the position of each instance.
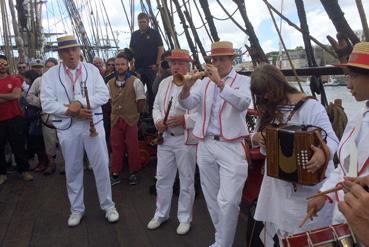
(12, 127)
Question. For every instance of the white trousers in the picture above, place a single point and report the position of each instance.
(174, 155)
(73, 142)
(223, 172)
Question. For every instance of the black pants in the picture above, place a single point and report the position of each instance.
(13, 131)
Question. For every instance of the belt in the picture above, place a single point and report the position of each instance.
(172, 134)
(216, 138)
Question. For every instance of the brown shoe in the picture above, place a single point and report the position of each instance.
(27, 176)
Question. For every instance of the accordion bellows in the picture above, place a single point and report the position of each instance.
(288, 151)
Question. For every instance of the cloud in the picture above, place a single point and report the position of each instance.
(56, 19)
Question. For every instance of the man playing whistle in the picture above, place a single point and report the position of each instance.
(178, 150)
(223, 98)
(63, 96)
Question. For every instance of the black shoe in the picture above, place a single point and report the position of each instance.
(132, 179)
(114, 180)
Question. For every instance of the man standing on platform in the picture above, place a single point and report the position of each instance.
(147, 47)
(224, 97)
(63, 96)
(127, 101)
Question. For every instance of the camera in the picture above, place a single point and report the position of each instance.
(164, 64)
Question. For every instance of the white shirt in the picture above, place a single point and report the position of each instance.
(214, 126)
(278, 202)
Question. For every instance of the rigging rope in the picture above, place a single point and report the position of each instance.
(224, 19)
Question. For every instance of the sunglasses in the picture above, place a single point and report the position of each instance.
(22, 67)
(111, 65)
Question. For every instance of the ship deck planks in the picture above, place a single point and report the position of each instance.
(35, 214)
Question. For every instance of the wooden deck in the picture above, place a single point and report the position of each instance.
(35, 214)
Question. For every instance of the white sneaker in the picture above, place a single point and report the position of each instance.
(74, 219)
(183, 228)
(3, 179)
(112, 215)
(154, 224)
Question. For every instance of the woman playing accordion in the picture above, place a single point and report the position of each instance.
(282, 204)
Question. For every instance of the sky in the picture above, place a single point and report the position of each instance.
(55, 19)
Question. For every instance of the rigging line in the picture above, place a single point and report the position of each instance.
(48, 22)
(98, 30)
(203, 22)
(324, 47)
(234, 21)
(285, 49)
(133, 14)
(224, 19)
(111, 29)
(125, 13)
(62, 20)
(89, 14)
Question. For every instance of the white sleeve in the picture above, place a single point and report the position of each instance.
(195, 95)
(333, 179)
(139, 89)
(48, 96)
(239, 98)
(33, 96)
(156, 109)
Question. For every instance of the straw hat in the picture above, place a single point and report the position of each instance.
(359, 57)
(67, 42)
(222, 48)
(179, 54)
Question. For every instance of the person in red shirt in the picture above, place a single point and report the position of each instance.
(12, 125)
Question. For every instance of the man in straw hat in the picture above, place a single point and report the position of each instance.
(353, 153)
(63, 96)
(178, 151)
(224, 97)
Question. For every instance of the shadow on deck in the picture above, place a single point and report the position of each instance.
(35, 214)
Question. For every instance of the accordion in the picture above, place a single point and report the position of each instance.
(289, 149)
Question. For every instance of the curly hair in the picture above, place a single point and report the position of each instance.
(269, 88)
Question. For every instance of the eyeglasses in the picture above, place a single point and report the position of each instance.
(4, 64)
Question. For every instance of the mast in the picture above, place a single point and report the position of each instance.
(209, 18)
(254, 41)
(339, 21)
(364, 22)
(195, 34)
(18, 38)
(187, 33)
(305, 34)
(319, 88)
